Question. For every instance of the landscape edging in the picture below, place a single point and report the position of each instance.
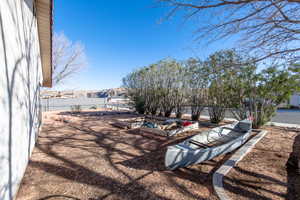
(231, 162)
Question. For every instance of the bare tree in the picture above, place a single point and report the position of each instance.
(267, 28)
(68, 58)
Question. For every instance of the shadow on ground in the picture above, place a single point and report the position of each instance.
(263, 174)
(293, 170)
(87, 158)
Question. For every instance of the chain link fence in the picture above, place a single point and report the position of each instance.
(69, 104)
(60, 104)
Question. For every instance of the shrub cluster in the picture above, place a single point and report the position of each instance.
(224, 81)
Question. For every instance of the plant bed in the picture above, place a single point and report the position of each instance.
(129, 123)
(168, 126)
(158, 125)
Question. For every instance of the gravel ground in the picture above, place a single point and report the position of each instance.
(263, 173)
(85, 157)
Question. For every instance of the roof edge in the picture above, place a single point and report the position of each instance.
(44, 14)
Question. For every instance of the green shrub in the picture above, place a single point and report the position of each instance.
(76, 108)
(93, 107)
(139, 105)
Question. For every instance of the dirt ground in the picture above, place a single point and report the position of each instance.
(263, 174)
(85, 157)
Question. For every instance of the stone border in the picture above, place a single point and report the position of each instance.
(231, 162)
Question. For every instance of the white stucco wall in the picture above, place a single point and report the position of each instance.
(20, 79)
(295, 100)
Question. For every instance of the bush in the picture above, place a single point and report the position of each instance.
(294, 107)
(76, 108)
(260, 93)
(225, 80)
(216, 114)
(93, 107)
(195, 117)
(139, 105)
(178, 115)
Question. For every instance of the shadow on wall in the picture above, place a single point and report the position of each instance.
(20, 95)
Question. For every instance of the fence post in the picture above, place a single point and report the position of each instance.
(47, 105)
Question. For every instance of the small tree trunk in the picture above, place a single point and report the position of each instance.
(216, 114)
(153, 111)
(179, 115)
(179, 112)
(168, 113)
(141, 112)
(195, 117)
(196, 111)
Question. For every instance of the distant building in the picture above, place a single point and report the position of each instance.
(97, 95)
(68, 95)
(118, 100)
(295, 100)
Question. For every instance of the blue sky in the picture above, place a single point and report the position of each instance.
(120, 36)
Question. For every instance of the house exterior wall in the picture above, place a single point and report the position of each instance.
(295, 100)
(20, 80)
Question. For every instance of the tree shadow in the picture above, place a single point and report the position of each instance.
(293, 170)
(243, 187)
(252, 185)
(157, 151)
(83, 137)
(88, 176)
(94, 179)
(145, 161)
(77, 150)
